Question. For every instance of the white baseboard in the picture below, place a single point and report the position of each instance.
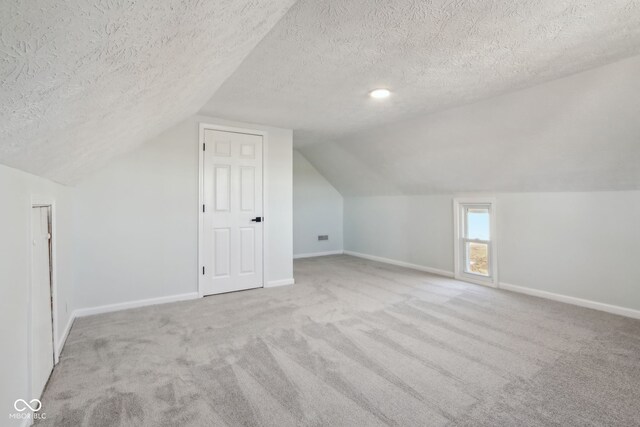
(315, 254)
(431, 270)
(609, 308)
(276, 283)
(134, 304)
(65, 334)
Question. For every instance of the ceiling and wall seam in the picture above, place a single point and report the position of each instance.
(577, 133)
(82, 82)
(314, 70)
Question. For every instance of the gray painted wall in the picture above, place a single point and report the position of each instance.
(137, 219)
(317, 210)
(583, 245)
(16, 191)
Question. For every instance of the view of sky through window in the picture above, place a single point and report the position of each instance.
(478, 224)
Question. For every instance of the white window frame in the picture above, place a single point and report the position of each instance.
(459, 220)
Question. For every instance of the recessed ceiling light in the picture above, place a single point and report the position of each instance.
(380, 93)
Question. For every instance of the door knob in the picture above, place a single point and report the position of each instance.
(257, 219)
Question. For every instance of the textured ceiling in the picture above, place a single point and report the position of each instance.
(83, 81)
(577, 133)
(313, 71)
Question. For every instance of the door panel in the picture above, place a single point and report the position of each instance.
(223, 187)
(41, 319)
(232, 186)
(221, 252)
(247, 188)
(247, 250)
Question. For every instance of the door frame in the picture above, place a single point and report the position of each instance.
(458, 202)
(265, 148)
(42, 202)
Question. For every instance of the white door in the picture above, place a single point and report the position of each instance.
(41, 319)
(232, 211)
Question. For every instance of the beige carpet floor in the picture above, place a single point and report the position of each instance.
(353, 343)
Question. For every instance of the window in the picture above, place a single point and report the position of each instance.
(475, 247)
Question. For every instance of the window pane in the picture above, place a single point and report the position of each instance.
(478, 223)
(477, 258)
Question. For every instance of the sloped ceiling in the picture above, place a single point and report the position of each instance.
(83, 81)
(314, 70)
(578, 133)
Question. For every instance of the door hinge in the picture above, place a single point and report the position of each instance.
(203, 269)
(204, 146)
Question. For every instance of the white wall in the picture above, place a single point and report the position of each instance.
(317, 210)
(417, 230)
(137, 219)
(583, 245)
(16, 191)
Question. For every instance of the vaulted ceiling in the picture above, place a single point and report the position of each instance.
(578, 133)
(492, 95)
(314, 70)
(83, 81)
